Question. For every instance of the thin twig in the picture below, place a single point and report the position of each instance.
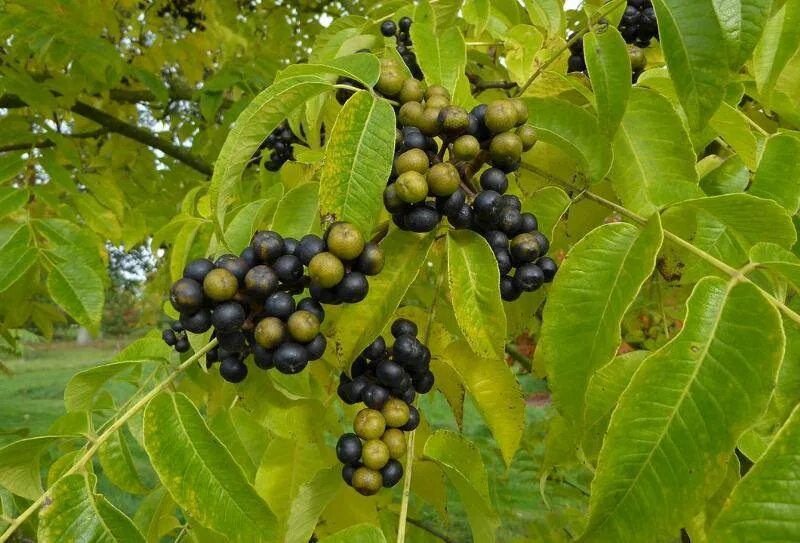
(102, 438)
(674, 238)
(44, 144)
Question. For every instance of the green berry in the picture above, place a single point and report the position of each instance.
(326, 270)
(220, 285)
(443, 179)
(411, 187)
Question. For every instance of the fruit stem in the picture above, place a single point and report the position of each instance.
(102, 438)
(401, 526)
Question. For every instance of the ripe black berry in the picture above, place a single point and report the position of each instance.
(182, 345)
(316, 347)
(198, 322)
(376, 349)
(389, 373)
(228, 317)
(403, 327)
(485, 204)
(290, 358)
(233, 370)
(404, 24)
(508, 289)
(451, 205)
(388, 28)
(548, 267)
(352, 288)
(288, 268)
(423, 383)
(235, 264)
(309, 247)
(494, 179)
(348, 449)
(168, 336)
(374, 396)
(529, 277)
(280, 305)
(267, 245)
(186, 295)
(421, 218)
(198, 269)
(262, 357)
(413, 419)
(313, 307)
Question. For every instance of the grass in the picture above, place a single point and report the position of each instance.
(31, 399)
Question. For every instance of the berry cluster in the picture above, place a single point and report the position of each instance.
(639, 24)
(248, 299)
(577, 60)
(279, 143)
(386, 381)
(400, 30)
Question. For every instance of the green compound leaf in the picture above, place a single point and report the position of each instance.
(200, 473)
(574, 130)
(297, 212)
(610, 71)
(16, 254)
(596, 284)
(358, 161)
(692, 40)
(676, 424)
(763, 506)
(356, 325)
(475, 291)
(655, 161)
(75, 514)
(464, 467)
(776, 173)
(440, 48)
(77, 289)
(495, 390)
(262, 115)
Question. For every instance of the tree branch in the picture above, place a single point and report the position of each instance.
(45, 143)
(118, 126)
(141, 135)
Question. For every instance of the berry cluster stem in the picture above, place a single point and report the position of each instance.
(102, 438)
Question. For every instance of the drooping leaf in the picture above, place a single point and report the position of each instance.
(463, 466)
(260, 117)
(777, 259)
(182, 246)
(763, 505)
(609, 68)
(16, 255)
(297, 212)
(654, 161)
(155, 516)
(678, 421)
(574, 130)
(776, 177)
(495, 391)
(729, 177)
(76, 514)
(77, 289)
(357, 325)
(596, 284)
(82, 388)
(732, 126)
(11, 199)
(692, 40)
(19, 465)
(358, 161)
(440, 48)
(548, 205)
(522, 43)
(779, 43)
(311, 500)
(474, 282)
(548, 14)
(200, 473)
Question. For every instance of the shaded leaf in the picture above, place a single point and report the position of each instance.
(778, 45)
(78, 290)
(311, 500)
(117, 463)
(360, 533)
(19, 465)
(297, 212)
(440, 48)
(776, 177)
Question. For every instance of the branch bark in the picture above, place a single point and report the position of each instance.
(45, 143)
(118, 126)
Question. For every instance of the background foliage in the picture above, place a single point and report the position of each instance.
(668, 340)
